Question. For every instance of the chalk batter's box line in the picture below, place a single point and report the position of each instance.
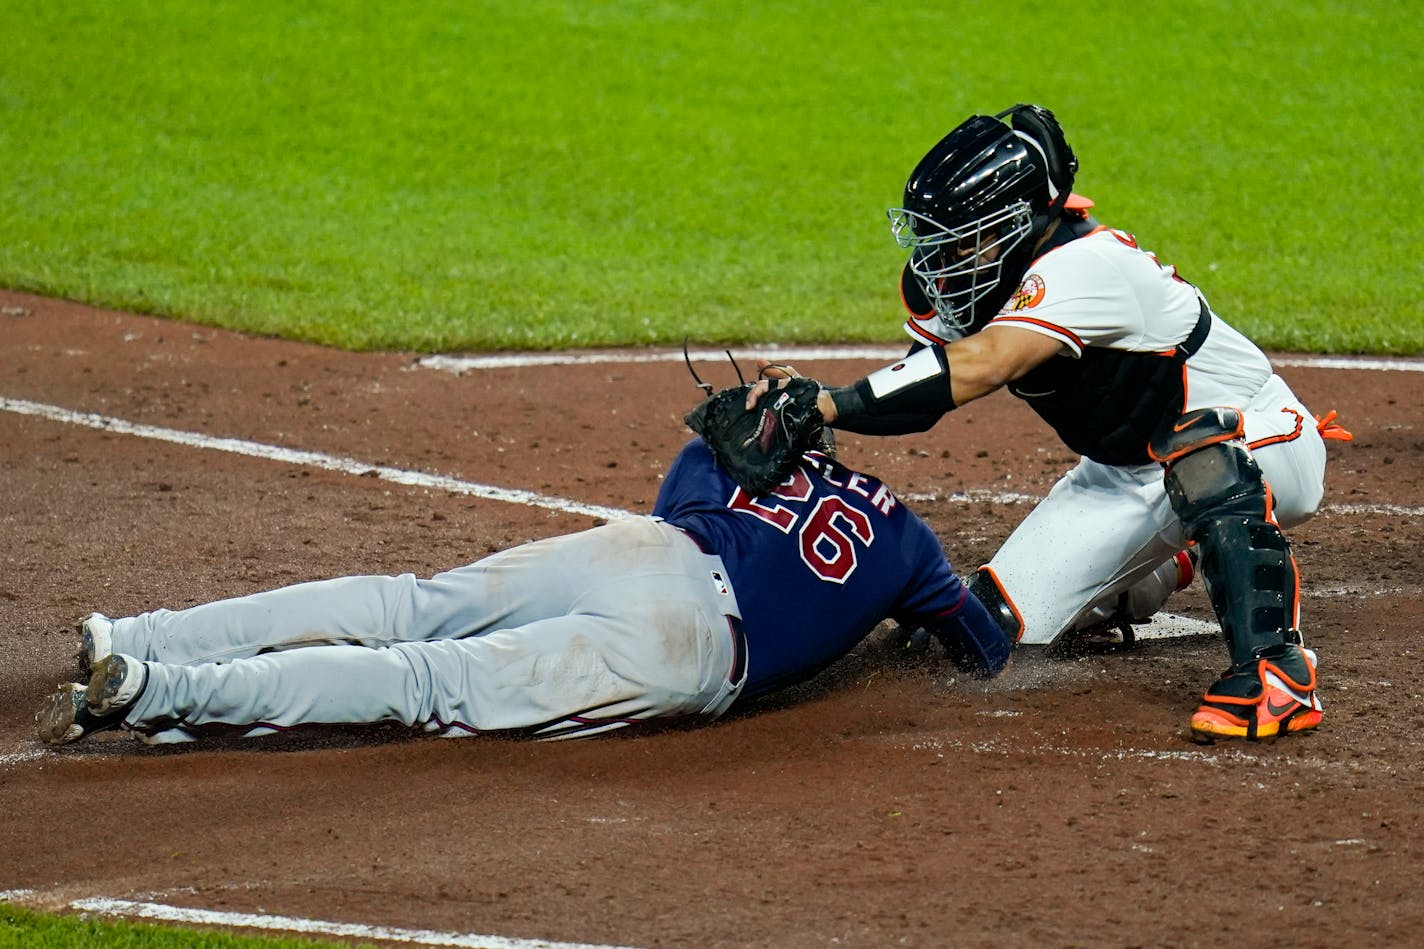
(460, 364)
(102, 906)
(405, 476)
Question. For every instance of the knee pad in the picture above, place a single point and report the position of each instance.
(1213, 481)
(985, 587)
(1194, 431)
(1225, 507)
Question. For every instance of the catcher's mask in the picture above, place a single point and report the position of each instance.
(975, 207)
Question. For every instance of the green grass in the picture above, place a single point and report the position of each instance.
(22, 929)
(450, 174)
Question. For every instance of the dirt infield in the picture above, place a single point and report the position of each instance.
(885, 803)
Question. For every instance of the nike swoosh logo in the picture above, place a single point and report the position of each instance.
(1273, 709)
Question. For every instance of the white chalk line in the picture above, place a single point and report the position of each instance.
(992, 746)
(1011, 497)
(459, 364)
(177, 914)
(1350, 362)
(420, 479)
(970, 496)
(1212, 756)
(311, 459)
(1394, 510)
(699, 357)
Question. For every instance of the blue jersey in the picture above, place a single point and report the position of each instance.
(818, 563)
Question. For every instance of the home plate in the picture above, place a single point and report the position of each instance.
(1173, 626)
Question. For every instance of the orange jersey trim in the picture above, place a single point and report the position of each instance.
(1068, 335)
(1287, 437)
(925, 335)
(1018, 617)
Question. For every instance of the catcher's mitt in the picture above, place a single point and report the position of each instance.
(761, 447)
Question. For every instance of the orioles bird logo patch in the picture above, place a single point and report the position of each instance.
(1029, 293)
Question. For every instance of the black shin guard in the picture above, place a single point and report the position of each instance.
(1247, 568)
(1245, 561)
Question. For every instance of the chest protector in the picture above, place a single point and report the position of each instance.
(1107, 403)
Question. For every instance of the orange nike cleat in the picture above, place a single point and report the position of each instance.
(1273, 694)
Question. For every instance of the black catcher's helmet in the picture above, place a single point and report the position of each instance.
(975, 207)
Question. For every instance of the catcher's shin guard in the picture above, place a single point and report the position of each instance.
(1216, 488)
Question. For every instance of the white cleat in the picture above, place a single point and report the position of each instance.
(75, 711)
(117, 683)
(96, 642)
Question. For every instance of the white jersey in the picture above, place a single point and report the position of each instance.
(1102, 290)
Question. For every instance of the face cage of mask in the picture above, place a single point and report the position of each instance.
(954, 283)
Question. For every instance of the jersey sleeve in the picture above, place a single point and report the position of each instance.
(932, 590)
(670, 489)
(1077, 295)
(938, 601)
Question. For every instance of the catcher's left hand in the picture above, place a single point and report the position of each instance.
(760, 447)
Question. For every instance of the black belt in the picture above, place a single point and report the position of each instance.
(739, 650)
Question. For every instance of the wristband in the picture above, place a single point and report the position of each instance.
(917, 385)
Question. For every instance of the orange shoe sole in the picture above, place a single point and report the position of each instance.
(1209, 724)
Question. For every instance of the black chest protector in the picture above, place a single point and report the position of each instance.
(1107, 403)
